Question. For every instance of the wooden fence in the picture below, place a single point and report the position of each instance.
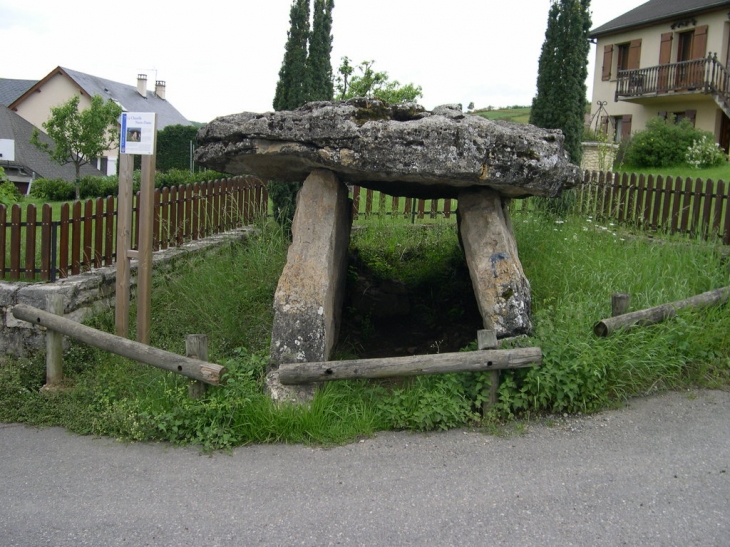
(672, 205)
(367, 203)
(85, 236)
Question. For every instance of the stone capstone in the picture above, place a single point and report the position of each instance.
(502, 291)
(308, 299)
(399, 149)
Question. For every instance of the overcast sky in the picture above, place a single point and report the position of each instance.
(221, 57)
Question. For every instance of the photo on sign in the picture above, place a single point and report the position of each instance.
(134, 134)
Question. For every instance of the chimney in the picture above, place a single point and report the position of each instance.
(160, 89)
(142, 84)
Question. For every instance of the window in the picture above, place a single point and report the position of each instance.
(623, 57)
(684, 46)
(622, 124)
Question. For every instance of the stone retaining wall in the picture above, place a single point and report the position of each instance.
(84, 294)
(598, 156)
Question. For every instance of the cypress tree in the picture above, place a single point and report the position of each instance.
(291, 93)
(562, 72)
(319, 66)
(291, 87)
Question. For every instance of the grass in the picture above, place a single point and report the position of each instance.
(573, 265)
(518, 115)
(721, 172)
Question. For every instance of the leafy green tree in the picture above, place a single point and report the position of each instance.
(173, 147)
(291, 91)
(80, 136)
(319, 66)
(370, 83)
(563, 69)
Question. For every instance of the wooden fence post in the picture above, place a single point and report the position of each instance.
(620, 303)
(196, 347)
(54, 343)
(487, 339)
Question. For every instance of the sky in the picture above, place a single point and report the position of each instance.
(221, 57)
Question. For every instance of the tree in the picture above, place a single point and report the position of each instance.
(319, 66)
(373, 84)
(291, 89)
(562, 73)
(80, 136)
(173, 147)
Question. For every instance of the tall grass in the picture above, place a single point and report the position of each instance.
(573, 265)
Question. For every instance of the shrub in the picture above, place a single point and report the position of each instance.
(52, 190)
(663, 143)
(9, 194)
(704, 152)
(99, 187)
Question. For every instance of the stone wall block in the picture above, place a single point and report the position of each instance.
(500, 286)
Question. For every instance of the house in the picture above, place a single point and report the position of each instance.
(23, 162)
(664, 58)
(35, 103)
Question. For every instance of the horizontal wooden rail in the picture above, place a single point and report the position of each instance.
(208, 373)
(440, 363)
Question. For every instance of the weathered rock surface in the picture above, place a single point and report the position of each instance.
(500, 286)
(399, 149)
(309, 296)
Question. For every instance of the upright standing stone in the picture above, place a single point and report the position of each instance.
(500, 286)
(309, 296)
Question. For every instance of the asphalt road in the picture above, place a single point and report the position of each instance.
(654, 473)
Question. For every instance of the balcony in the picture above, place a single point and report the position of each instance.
(706, 75)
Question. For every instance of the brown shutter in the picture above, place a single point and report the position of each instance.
(665, 57)
(634, 55)
(607, 62)
(699, 42)
(665, 50)
(691, 115)
(626, 126)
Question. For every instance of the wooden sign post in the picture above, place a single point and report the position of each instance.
(138, 136)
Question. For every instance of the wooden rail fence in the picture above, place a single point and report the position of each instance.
(84, 237)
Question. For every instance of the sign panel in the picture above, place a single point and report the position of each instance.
(137, 133)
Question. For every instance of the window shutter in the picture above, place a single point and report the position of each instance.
(662, 114)
(634, 54)
(665, 50)
(626, 126)
(691, 115)
(607, 62)
(699, 42)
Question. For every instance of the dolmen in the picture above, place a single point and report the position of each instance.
(401, 150)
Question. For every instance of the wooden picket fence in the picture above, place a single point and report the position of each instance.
(672, 205)
(370, 203)
(85, 235)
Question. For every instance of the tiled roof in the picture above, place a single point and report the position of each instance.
(12, 126)
(12, 89)
(654, 11)
(129, 98)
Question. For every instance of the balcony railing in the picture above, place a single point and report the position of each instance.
(706, 75)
